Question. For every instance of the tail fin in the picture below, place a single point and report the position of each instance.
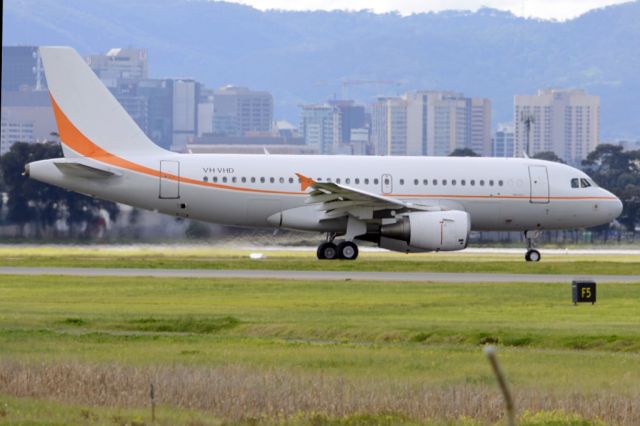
(91, 122)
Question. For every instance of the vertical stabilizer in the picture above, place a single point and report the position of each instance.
(91, 122)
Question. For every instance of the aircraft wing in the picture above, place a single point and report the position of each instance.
(338, 200)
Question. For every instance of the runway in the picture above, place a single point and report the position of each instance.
(318, 275)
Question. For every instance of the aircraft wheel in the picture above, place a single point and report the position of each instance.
(347, 250)
(532, 256)
(327, 251)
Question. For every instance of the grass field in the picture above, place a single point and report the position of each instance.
(77, 350)
(186, 257)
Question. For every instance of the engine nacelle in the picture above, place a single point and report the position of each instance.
(431, 231)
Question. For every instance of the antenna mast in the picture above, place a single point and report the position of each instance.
(528, 119)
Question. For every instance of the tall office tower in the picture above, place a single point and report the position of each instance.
(159, 96)
(186, 95)
(352, 116)
(120, 64)
(439, 122)
(503, 141)
(320, 126)
(389, 126)
(565, 121)
(22, 68)
(481, 126)
(238, 110)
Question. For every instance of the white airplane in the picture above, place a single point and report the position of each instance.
(406, 204)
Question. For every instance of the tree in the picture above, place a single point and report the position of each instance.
(619, 172)
(549, 156)
(463, 152)
(40, 204)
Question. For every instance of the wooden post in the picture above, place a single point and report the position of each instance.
(152, 397)
(490, 352)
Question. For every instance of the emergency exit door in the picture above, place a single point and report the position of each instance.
(386, 182)
(539, 181)
(169, 179)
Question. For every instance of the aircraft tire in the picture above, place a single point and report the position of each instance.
(327, 251)
(348, 250)
(533, 255)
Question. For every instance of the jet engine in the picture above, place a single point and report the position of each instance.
(427, 231)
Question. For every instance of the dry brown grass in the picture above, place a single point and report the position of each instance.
(238, 393)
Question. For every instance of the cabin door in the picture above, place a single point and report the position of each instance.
(539, 181)
(169, 179)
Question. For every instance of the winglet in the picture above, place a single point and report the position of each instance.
(305, 182)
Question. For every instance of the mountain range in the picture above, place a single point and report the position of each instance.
(306, 57)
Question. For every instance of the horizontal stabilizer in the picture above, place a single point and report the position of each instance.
(79, 169)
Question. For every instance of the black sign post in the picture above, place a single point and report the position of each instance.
(583, 292)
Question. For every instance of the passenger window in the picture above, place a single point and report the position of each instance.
(215, 178)
(253, 180)
(453, 182)
(357, 181)
(425, 182)
(347, 181)
(435, 182)
(444, 182)
(401, 181)
(281, 180)
(233, 179)
(271, 179)
(244, 179)
(338, 180)
(415, 182)
(376, 181)
(463, 182)
(290, 180)
(473, 182)
(224, 179)
(575, 183)
(500, 183)
(481, 182)
(205, 179)
(366, 181)
(262, 180)
(491, 182)
(585, 183)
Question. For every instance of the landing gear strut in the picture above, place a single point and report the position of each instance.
(328, 250)
(532, 254)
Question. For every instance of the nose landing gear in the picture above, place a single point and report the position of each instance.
(347, 250)
(532, 254)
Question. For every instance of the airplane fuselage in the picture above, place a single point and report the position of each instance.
(245, 190)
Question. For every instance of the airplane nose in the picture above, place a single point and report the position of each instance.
(616, 208)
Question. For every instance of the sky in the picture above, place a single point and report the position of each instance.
(546, 9)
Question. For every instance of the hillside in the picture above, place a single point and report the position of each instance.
(303, 56)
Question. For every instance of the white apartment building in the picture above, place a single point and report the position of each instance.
(565, 121)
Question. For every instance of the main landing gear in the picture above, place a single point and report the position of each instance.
(532, 254)
(347, 250)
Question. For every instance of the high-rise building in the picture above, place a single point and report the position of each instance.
(439, 122)
(564, 121)
(431, 123)
(504, 141)
(389, 126)
(159, 96)
(238, 110)
(352, 116)
(186, 95)
(26, 117)
(120, 64)
(22, 68)
(320, 127)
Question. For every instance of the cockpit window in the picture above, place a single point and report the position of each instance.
(575, 183)
(585, 183)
